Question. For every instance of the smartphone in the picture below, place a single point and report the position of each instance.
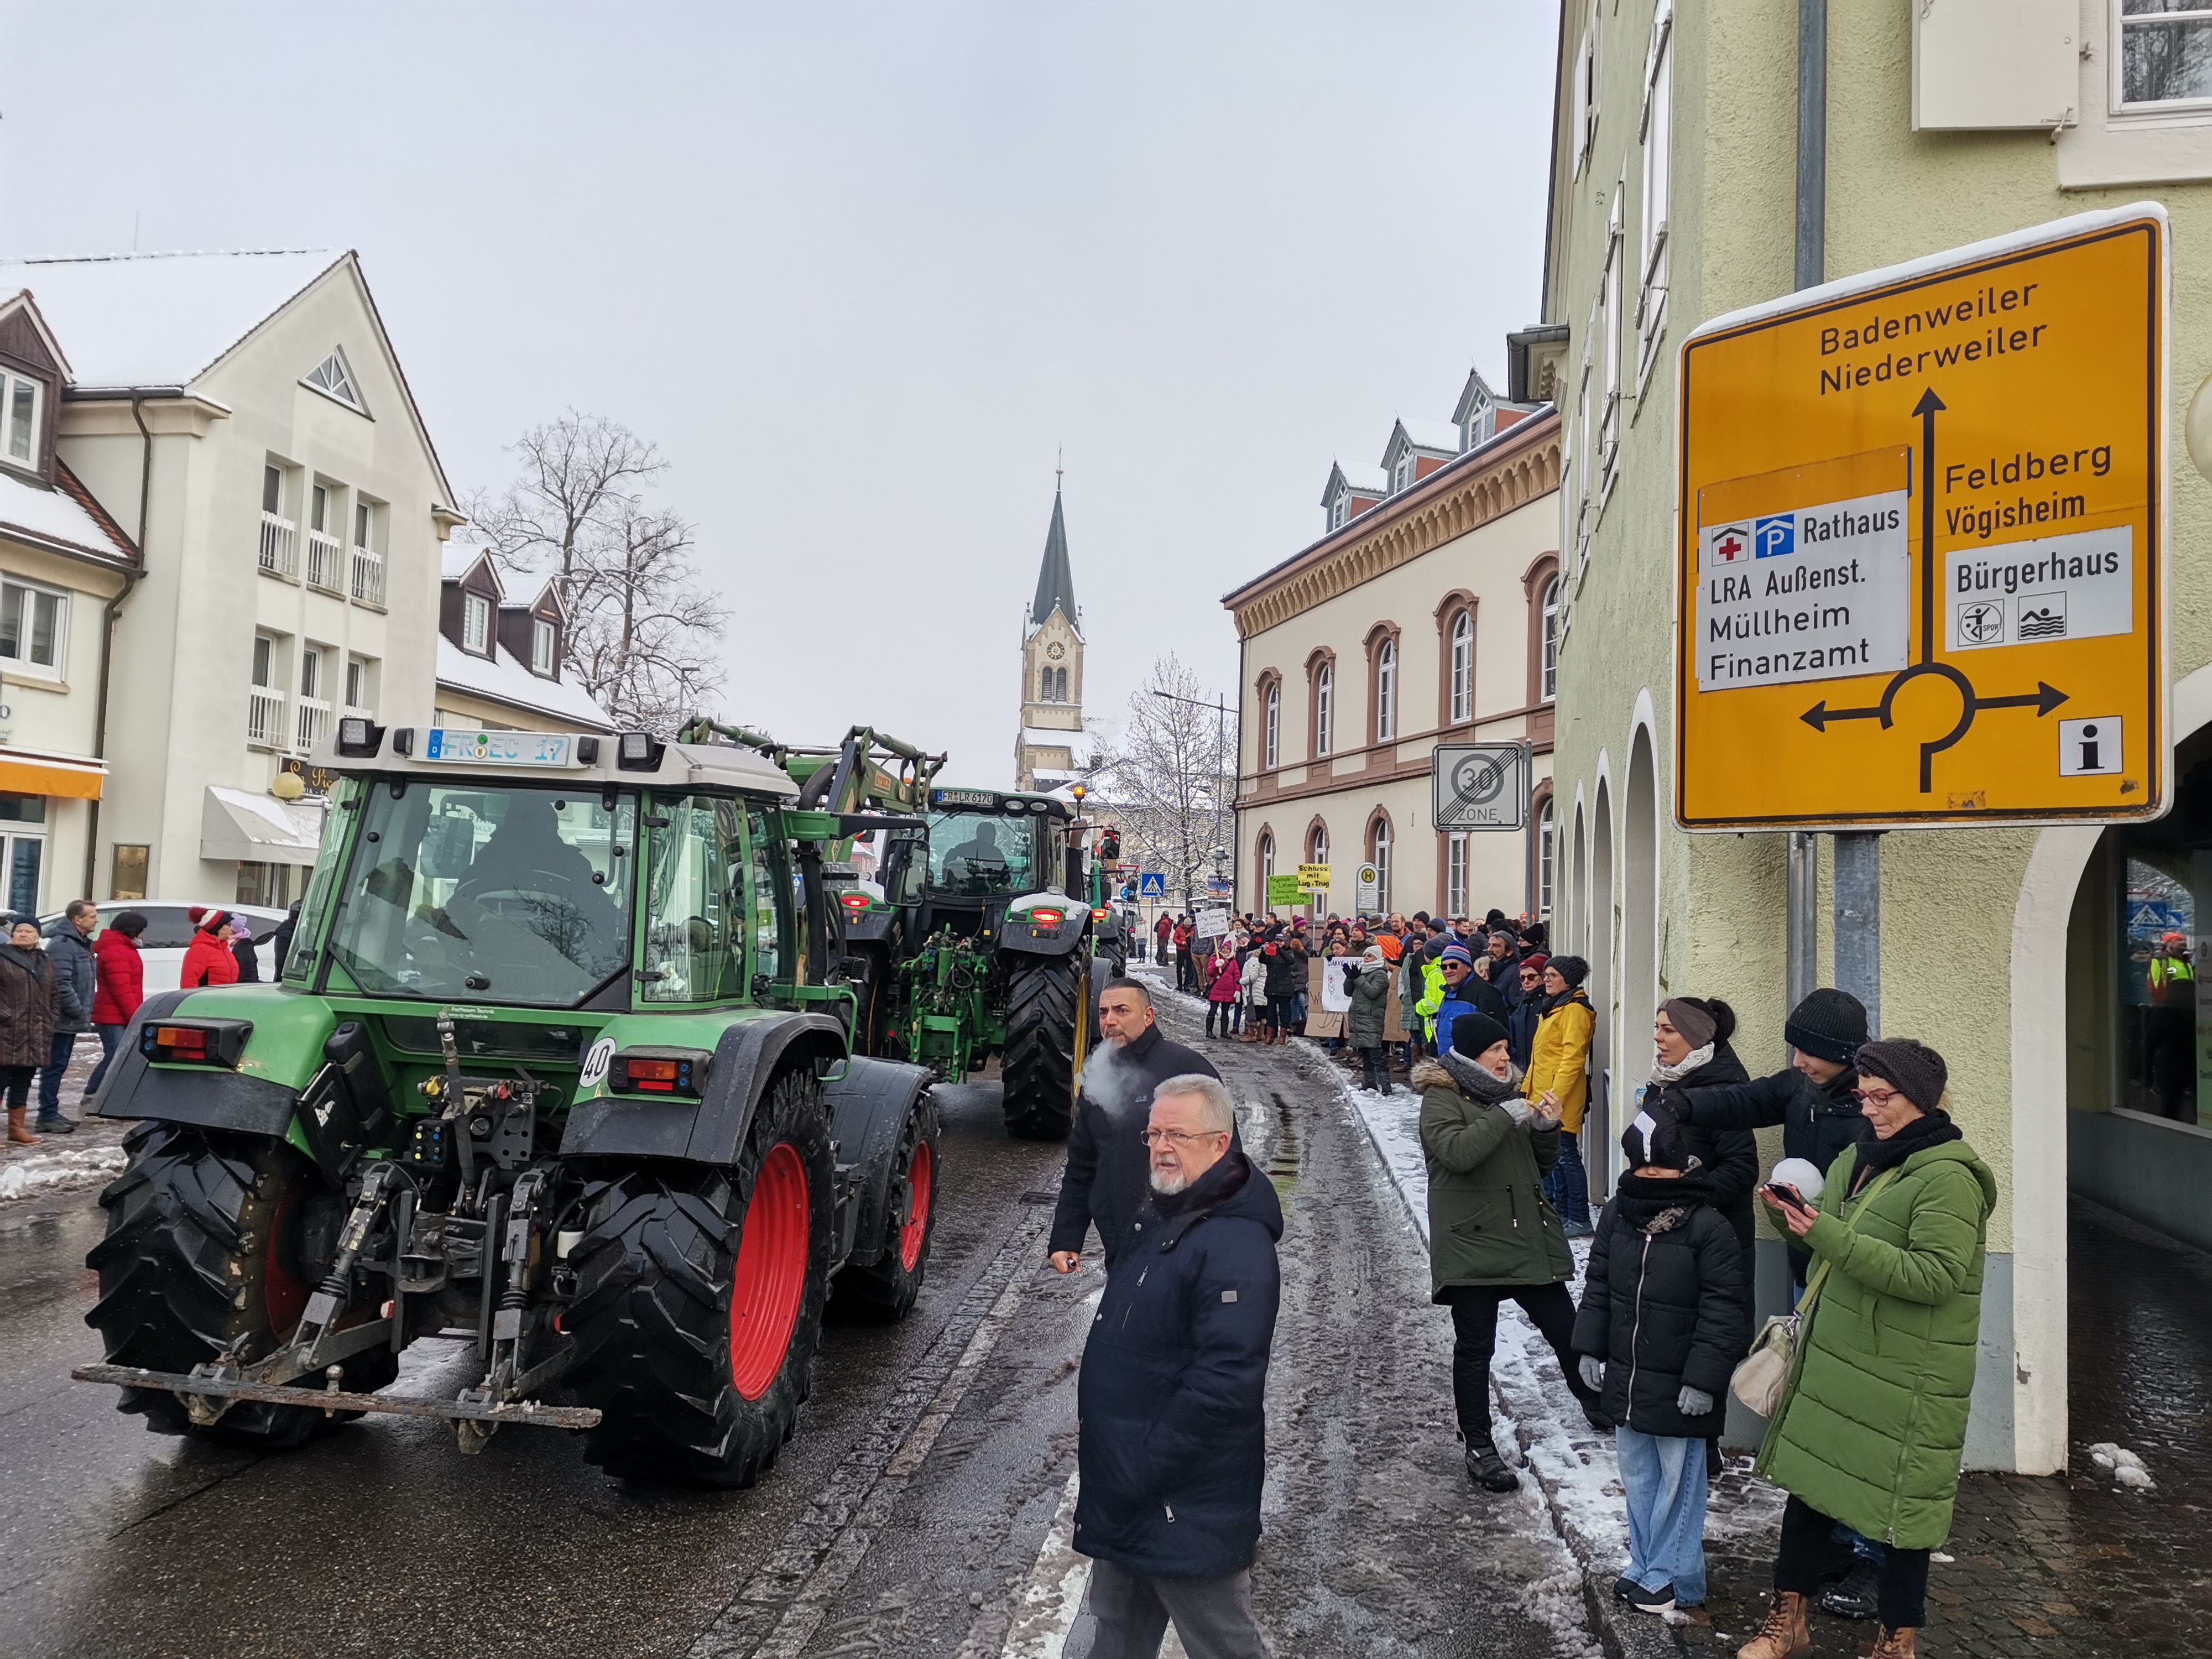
(1788, 1198)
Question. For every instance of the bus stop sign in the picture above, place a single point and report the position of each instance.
(1921, 573)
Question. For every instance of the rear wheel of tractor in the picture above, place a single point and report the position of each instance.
(203, 1252)
(886, 1288)
(1048, 1018)
(699, 1302)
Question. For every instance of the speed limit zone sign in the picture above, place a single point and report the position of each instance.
(1480, 786)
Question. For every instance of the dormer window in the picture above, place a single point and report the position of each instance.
(1402, 474)
(333, 379)
(541, 646)
(1340, 513)
(475, 624)
(20, 398)
(1479, 424)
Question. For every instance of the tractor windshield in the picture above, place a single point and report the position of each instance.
(492, 892)
(982, 854)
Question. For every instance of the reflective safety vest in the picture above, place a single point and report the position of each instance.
(2170, 970)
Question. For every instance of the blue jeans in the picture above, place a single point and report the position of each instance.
(1666, 1482)
(111, 1039)
(1567, 1184)
(49, 1074)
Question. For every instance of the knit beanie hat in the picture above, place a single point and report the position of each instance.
(1535, 960)
(1458, 953)
(129, 923)
(1828, 1024)
(1655, 1138)
(1573, 969)
(210, 921)
(1473, 1035)
(194, 914)
(1918, 1070)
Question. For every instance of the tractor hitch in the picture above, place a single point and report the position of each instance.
(333, 1399)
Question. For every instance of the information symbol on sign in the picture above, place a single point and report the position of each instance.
(2090, 748)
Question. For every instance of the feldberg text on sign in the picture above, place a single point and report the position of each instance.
(1807, 594)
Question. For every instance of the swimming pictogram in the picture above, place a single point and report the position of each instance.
(2043, 699)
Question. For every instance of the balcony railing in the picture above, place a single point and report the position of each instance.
(367, 576)
(280, 545)
(326, 562)
(264, 717)
(314, 720)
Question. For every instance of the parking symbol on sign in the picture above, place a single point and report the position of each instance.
(1777, 536)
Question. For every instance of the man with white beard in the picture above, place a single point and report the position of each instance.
(1171, 1402)
(1104, 1184)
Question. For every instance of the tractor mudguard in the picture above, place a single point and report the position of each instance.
(205, 1097)
(1027, 938)
(868, 1108)
(746, 1057)
(869, 928)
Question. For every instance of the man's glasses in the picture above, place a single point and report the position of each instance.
(1161, 1137)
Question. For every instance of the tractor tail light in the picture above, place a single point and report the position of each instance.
(676, 1072)
(1047, 918)
(853, 900)
(211, 1043)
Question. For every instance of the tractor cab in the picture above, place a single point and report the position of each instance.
(987, 853)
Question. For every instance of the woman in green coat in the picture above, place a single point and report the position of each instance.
(1872, 1423)
(1492, 1236)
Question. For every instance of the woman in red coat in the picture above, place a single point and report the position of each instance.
(208, 959)
(120, 986)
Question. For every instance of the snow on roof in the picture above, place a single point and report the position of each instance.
(459, 558)
(1432, 434)
(146, 320)
(1367, 480)
(56, 517)
(505, 680)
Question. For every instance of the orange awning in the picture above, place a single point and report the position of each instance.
(23, 774)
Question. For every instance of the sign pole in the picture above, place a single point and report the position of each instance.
(1802, 893)
(1858, 921)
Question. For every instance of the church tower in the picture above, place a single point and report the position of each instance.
(1051, 749)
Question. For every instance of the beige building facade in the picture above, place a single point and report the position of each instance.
(1423, 615)
(2022, 954)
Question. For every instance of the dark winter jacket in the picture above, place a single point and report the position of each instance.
(122, 985)
(1728, 1157)
(1108, 1170)
(1666, 1305)
(1816, 1122)
(1171, 1401)
(249, 964)
(1371, 1004)
(1286, 971)
(75, 976)
(26, 1006)
(1489, 1222)
(1520, 1029)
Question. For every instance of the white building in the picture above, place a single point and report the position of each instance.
(500, 659)
(247, 415)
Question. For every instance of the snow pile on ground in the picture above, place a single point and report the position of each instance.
(56, 1172)
(2122, 1465)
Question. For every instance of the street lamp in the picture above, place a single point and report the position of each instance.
(1220, 705)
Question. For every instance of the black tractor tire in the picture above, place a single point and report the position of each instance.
(1049, 1018)
(665, 1291)
(202, 1253)
(886, 1288)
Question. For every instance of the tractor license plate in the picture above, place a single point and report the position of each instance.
(498, 748)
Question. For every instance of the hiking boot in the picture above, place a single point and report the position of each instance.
(1487, 1469)
(57, 1125)
(1894, 1644)
(1783, 1636)
(1858, 1594)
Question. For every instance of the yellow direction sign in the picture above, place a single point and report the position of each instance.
(1921, 575)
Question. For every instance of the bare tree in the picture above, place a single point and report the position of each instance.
(642, 630)
(1168, 778)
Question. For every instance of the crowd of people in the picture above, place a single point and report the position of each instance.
(1883, 1206)
(78, 977)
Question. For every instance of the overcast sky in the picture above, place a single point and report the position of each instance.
(861, 270)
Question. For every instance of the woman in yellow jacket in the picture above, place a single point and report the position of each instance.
(1559, 1076)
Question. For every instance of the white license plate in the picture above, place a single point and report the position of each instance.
(498, 748)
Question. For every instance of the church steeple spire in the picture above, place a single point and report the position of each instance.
(1055, 587)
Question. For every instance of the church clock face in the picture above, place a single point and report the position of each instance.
(1056, 650)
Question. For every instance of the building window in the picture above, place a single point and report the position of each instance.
(541, 646)
(1317, 853)
(1402, 474)
(272, 490)
(20, 398)
(22, 850)
(1324, 706)
(1548, 684)
(1455, 874)
(311, 672)
(360, 692)
(1271, 741)
(331, 378)
(1340, 510)
(1547, 858)
(1386, 691)
(1609, 324)
(1658, 141)
(1264, 857)
(1463, 667)
(2166, 52)
(264, 661)
(34, 623)
(475, 624)
(1379, 854)
(128, 879)
(1585, 127)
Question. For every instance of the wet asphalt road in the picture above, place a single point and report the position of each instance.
(907, 1517)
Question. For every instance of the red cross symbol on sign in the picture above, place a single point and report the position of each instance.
(1730, 547)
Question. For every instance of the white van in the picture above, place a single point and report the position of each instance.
(168, 931)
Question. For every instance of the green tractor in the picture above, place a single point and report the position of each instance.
(561, 1063)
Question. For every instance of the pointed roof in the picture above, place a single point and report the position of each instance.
(1056, 581)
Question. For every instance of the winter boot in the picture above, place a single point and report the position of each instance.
(1487, 1469)
(1858, 1594)
(57, 1125)
(1894, 1644)
(1783, 1636)
(19, 1133)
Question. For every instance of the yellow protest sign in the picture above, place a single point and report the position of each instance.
(1921, 572)
(1313, 878)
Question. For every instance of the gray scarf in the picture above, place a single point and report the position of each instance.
(1662, 1075)
(1482, 1084)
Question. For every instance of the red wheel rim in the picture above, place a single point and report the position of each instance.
(771, 1274)
(283, 1293)
(921, 1176)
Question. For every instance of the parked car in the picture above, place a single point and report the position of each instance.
(168, 931)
